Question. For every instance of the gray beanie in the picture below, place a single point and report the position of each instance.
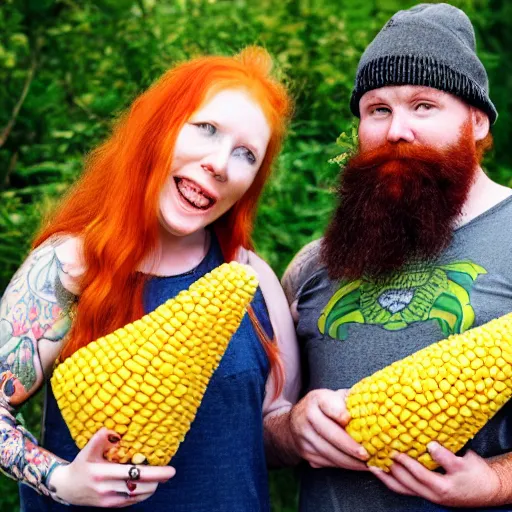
(431, 45)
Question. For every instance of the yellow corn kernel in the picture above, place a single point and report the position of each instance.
(445, 392)
(147, 379)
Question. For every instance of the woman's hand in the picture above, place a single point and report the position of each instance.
(469, 481)
(92, 480)
(318, 423)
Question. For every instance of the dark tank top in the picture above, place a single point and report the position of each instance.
(220, 466)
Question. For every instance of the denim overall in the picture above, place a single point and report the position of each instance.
(220, 466)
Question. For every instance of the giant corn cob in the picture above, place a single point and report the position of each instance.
(147, 379)
(445, 393)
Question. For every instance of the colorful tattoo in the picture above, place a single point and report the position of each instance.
(22, 459)
(34, 300)
(35, 307)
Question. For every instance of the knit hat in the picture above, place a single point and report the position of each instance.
(431, 45)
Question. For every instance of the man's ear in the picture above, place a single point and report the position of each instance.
(480, 122)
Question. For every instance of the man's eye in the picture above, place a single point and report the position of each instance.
(380, 110)
(208, 128)
(243, 152)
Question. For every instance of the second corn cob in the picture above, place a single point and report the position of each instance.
(147, 379)
(445, 392)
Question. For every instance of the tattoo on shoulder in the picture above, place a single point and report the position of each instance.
(35, 306)
(304, 263)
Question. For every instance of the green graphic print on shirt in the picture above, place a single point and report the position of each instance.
(417, 294)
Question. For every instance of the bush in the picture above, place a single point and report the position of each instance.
(68, 69)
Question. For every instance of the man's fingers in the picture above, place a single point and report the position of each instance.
(445, 458)
(343, 394)
(390, 481)
(414, 476)
(317, 428)
(415, 470)
(336, 436)
(403, 476)
(319, 447)
(324, 421)
(317, 462)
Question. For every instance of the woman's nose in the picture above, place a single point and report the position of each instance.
(216, 163)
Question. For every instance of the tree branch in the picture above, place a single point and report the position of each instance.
(142, 7)
(12, 165)
(16, 110)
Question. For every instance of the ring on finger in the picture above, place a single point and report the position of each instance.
(134, 473)
(131, 485)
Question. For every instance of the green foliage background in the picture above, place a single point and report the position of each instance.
(68, 68)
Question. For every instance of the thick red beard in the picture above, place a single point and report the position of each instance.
(398, 204)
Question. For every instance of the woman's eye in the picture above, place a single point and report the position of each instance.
(243, 152)
(424, 106)
(207, 128)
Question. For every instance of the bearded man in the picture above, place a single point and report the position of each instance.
(416, 250)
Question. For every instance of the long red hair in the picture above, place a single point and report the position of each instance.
(113, 207)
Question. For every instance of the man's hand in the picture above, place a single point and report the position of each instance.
(318, 425)
(469, 480)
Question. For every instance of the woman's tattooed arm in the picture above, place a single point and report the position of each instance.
(35, 316)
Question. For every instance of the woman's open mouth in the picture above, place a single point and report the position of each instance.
(193, 194)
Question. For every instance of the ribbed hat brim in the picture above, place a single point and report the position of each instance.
(413, 70)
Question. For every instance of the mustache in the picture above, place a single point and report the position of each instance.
(400, 152)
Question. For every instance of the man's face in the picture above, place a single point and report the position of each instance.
(409, 113)
(402, 192)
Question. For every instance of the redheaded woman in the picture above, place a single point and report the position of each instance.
(168, 197)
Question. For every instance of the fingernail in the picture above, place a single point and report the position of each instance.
(375, 470)
(363, 453)
(432, 446)
(394, 454)
(113, 439)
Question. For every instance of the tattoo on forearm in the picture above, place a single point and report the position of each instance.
(35, 307)
(22, 459)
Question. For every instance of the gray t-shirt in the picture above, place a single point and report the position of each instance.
(348, 331)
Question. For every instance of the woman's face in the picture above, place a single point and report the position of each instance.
(217, 155)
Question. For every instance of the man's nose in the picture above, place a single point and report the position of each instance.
(400, 128)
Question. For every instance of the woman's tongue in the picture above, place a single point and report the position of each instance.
(192, 194)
